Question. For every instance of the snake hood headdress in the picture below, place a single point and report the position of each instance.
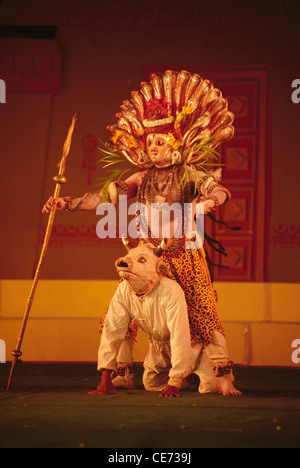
(187, 107)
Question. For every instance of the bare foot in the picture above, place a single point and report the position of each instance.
(227, 387)
(106, 387)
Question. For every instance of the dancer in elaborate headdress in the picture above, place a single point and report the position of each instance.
(169, 130)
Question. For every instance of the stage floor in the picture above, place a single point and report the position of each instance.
(48, 406)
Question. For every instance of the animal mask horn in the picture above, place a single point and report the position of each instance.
(160, 249)
(165, 245)
(127, 244)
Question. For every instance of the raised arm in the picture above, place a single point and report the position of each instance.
(209, 189)
(90, 201)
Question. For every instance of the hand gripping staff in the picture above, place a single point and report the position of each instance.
(59, 179)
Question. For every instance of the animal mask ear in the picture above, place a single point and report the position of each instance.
(161, 268)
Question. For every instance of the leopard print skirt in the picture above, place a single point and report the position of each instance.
(190, 271)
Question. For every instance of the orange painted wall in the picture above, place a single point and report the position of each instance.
(103, 53)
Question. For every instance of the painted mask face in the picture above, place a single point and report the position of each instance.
(141, 268)
(159, 149)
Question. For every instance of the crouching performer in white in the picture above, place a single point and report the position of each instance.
(157, 305)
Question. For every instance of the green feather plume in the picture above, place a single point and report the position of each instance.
(109, 159)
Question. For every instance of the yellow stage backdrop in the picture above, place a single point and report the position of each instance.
(261, 321)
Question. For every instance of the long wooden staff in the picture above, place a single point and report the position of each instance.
(59, 179)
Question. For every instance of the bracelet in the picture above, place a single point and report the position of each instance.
(123, 370)
(213, 187)
(220, 371)
(68, 204)
(212, 198)
(205, 184)
(215, 200)
(123, 186)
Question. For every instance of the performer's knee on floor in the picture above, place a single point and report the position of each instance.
(151, 384)
(208, 387)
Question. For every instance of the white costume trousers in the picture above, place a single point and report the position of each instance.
(157, 363)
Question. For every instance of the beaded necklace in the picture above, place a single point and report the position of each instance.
(145, 196)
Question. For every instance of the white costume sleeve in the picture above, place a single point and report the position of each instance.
(180, 337)
(114, 330)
